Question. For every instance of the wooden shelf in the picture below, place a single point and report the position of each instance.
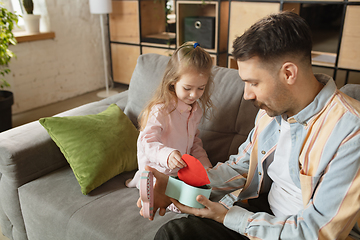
(153, 17)
(318, 58)
(133, 24)
(164, 38)
(323, 58)
(28, 37)
(124, 59)
(245, 14)
(349, 55)
(232, 62)
(161, 51)
(165, 46)
(129, 23)
(124, 22)
(194, 9)
(207, 9)
(217, 9)
(327, 53)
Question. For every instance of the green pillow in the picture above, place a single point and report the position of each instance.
(97, 147)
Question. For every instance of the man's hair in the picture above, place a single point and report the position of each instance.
(275, 36)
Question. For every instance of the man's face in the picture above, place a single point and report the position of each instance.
(265, 87)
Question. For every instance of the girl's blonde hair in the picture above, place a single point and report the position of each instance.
(185, 57)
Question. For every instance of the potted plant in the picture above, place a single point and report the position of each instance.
(7, 20)
(32, 22)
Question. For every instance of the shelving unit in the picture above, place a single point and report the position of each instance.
(218, 9)
(138, 27)
(349, 56)
(341, 63)
(131, 24)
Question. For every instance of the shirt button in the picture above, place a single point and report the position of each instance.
(259, 173)
(263, 152)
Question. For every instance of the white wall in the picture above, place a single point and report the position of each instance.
(49, 71)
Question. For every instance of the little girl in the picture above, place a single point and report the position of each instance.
(168, 124)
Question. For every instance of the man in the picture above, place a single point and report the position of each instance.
(299, 167)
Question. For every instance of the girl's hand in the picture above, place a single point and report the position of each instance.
(175, 161)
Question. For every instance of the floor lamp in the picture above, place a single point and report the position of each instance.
(102, 7)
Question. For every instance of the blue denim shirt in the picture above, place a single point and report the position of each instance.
(324, 163)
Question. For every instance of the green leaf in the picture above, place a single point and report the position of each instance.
(7, 21)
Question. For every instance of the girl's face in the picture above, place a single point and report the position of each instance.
(190, 87)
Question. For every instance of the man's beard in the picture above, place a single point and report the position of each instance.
(256, 103)
(269, 112)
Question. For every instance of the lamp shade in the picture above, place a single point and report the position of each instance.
(100, 6)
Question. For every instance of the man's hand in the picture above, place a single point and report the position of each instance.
(175, 161)
(212, 210)
(161, 201)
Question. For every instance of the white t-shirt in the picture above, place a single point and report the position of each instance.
(284, 196)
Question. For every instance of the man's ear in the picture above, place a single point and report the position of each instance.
(289, 71)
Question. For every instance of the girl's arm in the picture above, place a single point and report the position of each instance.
(151, 140)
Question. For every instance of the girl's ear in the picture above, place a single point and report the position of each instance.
(172, 87)
(289, 72)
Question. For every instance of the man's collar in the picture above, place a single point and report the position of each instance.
(319, 101)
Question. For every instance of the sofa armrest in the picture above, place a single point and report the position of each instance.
(353, 90)
(27, 152)
(120, 99)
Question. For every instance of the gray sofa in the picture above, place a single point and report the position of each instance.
(40, 198)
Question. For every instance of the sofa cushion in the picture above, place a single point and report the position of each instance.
(145, 79)
(97, 147)
(53, 208)
(232, 118)
(353, 90)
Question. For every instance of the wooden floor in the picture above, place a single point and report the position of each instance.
(2, 237)
(55, 108)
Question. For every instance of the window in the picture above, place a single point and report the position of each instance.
(19, 32)
(16, 7)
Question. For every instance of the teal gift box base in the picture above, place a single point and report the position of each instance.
(185, 193)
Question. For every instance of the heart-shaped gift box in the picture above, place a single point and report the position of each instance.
(192, 181)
